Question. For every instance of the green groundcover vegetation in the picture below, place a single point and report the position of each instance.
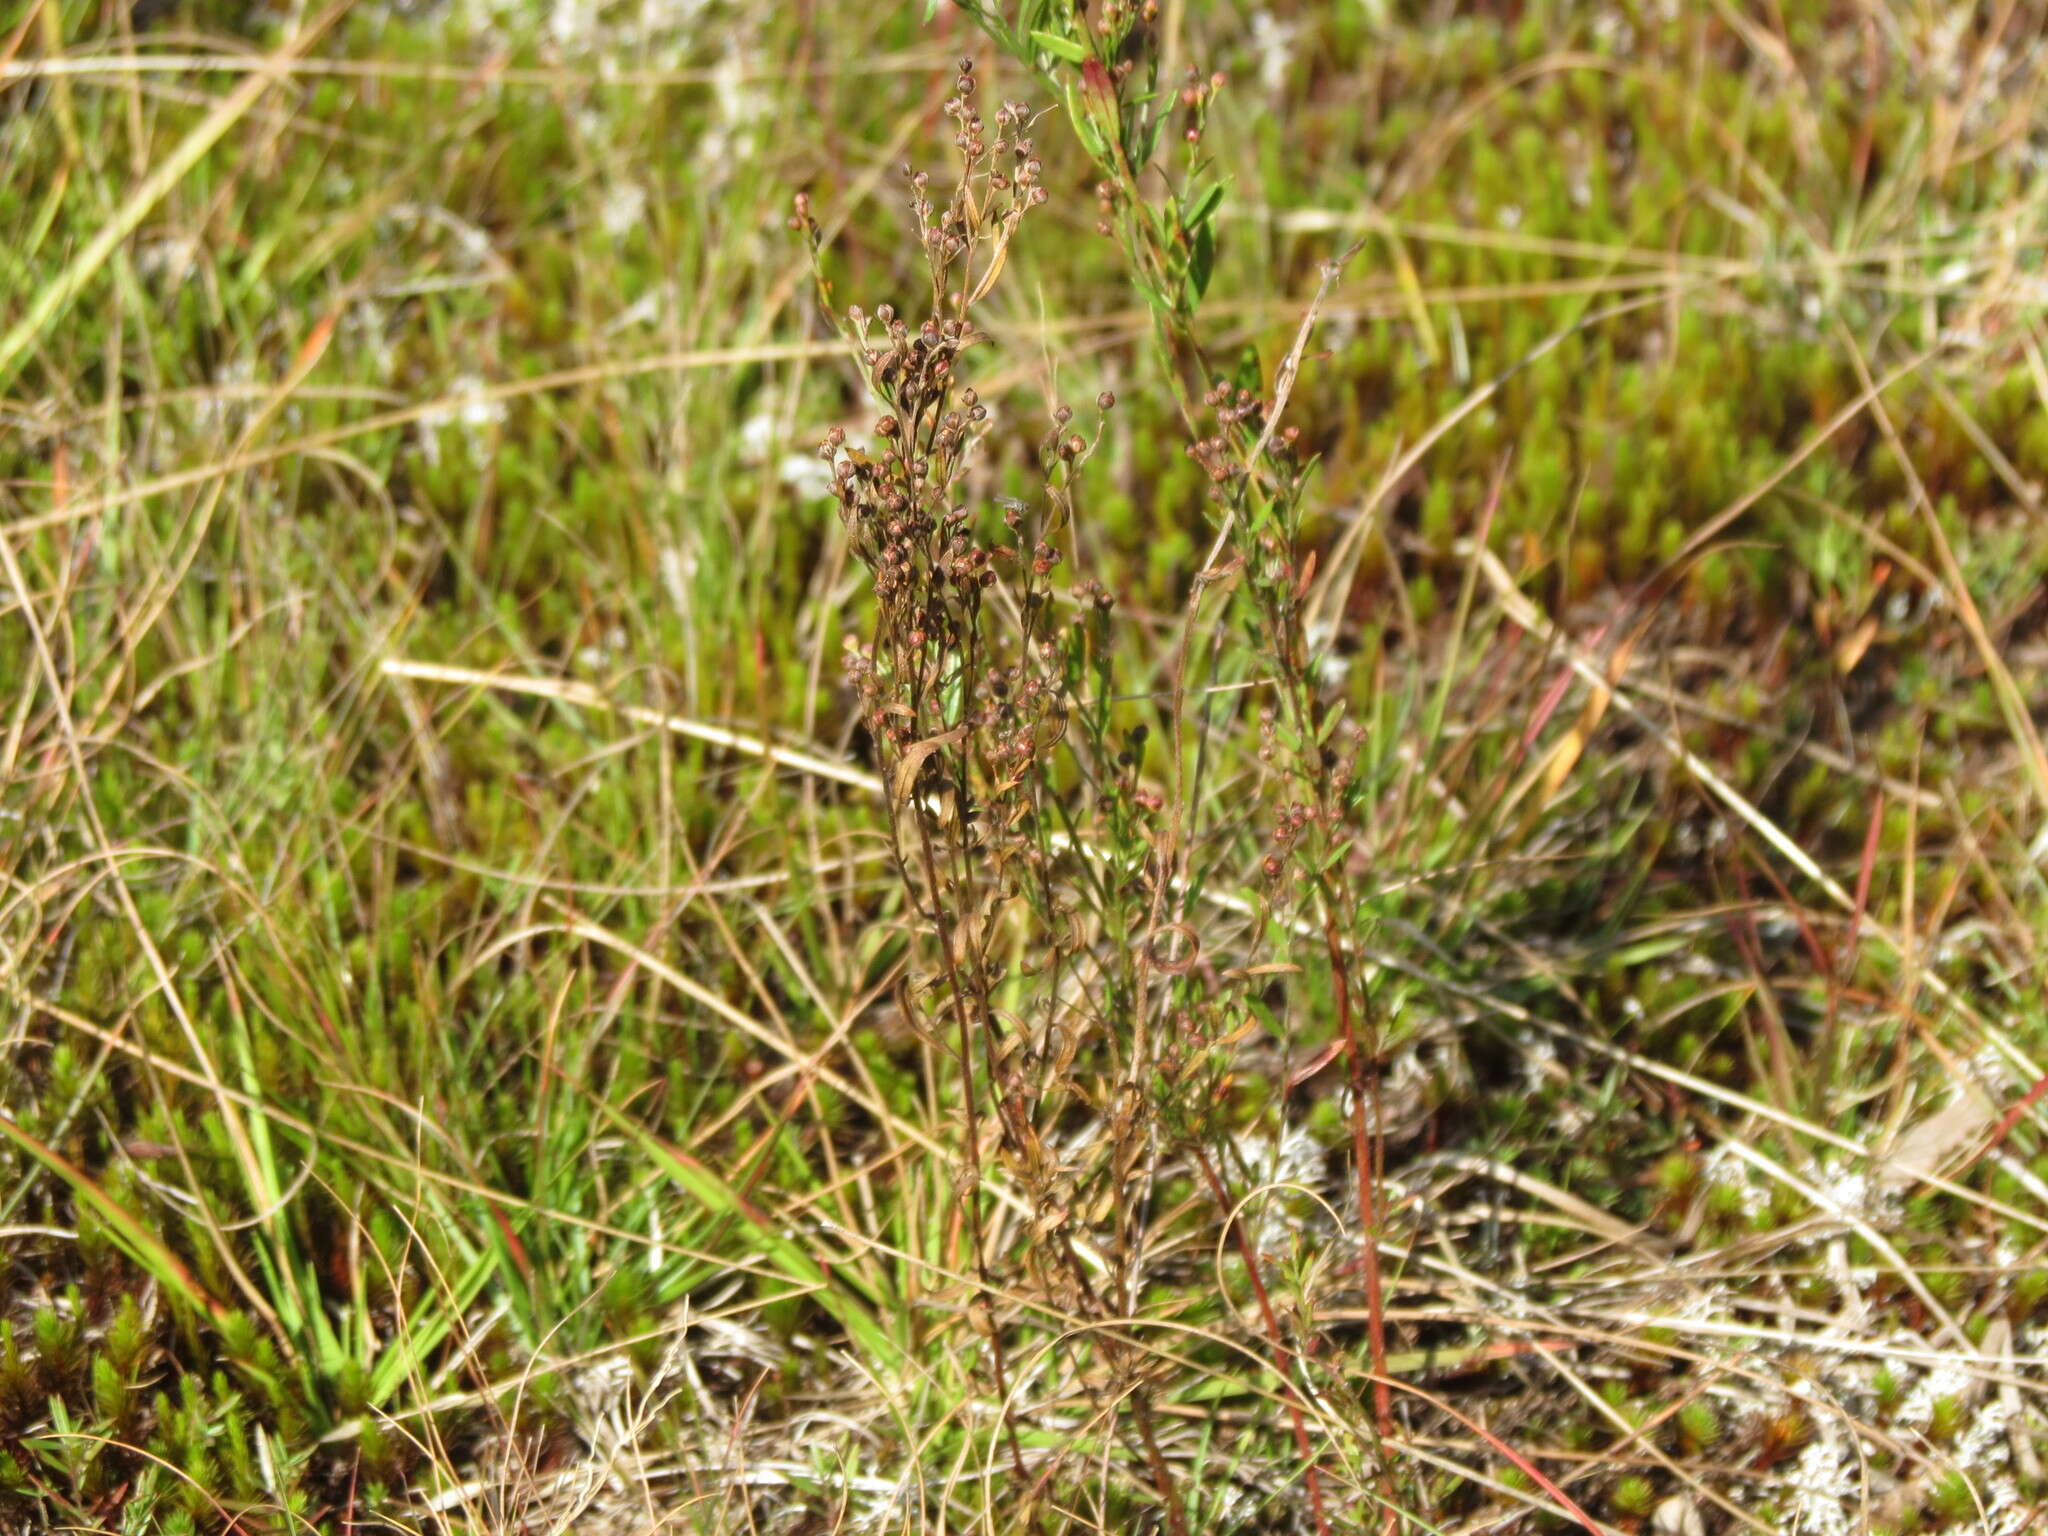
(1044, 767)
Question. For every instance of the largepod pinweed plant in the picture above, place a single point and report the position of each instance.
(1183, 909)
(1096, 938)
(1052, 970)
(1076, 965)
(1158, 193)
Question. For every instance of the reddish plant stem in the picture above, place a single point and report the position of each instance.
(972, 1197)
(1162, 1475)
(1364, 1088)
(1283, 1358)
(2010, 1119)
(1528, 1468)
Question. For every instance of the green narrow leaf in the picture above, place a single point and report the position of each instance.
(1201, 263)
(716, 1195)
(1204, 205)
(1060, 47)
(413, 1347)
(137, 1239)
(1084, 126)
(1155, 125)
(1251, 376)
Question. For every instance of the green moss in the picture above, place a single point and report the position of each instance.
(1633, 1498)
(1699, 1427)
(1952, 1500)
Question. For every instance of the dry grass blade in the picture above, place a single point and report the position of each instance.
(54, 297)
(586, 696)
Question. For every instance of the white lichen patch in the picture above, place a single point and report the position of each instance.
(809, 476)
(1724, 1170)
(744, 110)
(623, 209)
(1846, 1189)
(228, 403)
(806, 474)
(758, 436)
(1284, 1167)
(365, 324)
(1916, 1410)
(467, 405)
(1272, 44)
(1826, 1488)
